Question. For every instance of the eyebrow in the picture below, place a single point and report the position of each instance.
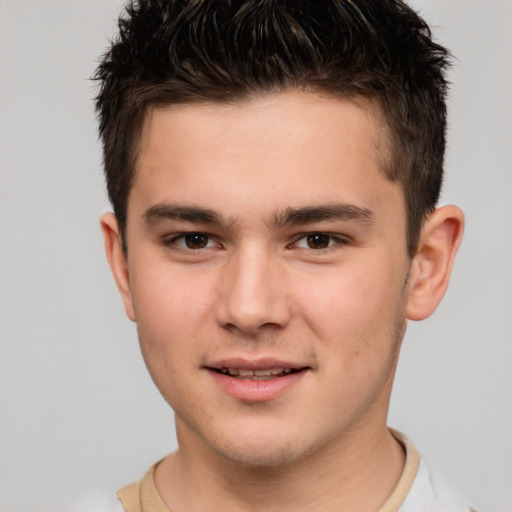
(188, 213)
(329, 212)
(289, 216)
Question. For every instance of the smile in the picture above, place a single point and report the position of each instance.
(256, 381)
(263, 374)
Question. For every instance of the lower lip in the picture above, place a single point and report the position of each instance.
(256, 390)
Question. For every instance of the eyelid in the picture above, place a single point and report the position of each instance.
(172, 241)
(335, 240)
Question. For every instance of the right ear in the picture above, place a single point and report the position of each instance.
(117, 260)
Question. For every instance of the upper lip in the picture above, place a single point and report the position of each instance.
(254, 364)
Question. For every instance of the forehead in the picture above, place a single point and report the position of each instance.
(291, 114)
(275, 151)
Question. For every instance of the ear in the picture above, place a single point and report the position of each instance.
(117, 260)
(431, 267)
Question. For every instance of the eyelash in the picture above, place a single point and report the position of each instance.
(173, 241)
(332, 241)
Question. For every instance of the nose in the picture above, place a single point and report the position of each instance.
(253, 294)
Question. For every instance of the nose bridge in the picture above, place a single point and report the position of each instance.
(252, 294)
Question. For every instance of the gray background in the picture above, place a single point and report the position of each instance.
(79, 415)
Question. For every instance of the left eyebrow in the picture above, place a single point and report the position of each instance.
(330, 212)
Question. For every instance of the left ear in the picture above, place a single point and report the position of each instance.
(431, 267)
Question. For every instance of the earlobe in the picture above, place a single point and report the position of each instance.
(431, 267)
(117, 260)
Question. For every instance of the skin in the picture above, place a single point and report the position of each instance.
(250, 282)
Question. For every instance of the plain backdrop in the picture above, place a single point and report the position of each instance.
(79, 415)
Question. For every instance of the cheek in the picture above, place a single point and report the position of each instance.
(171, 309)
(169, 315)
(355, 306)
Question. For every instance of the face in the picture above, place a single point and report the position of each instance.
(267, 271)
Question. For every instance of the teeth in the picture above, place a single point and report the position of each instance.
(268, 372)
(262, 373)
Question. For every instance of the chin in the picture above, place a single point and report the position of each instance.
(264, 449)
(259, 457)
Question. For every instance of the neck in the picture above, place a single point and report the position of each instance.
(356, 471)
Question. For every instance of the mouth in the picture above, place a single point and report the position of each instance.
(256, 380)
(260, 374)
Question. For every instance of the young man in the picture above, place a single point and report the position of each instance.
(274, 169)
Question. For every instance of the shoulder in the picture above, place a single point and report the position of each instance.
(97, 502)
(426, 496)
(136, 497)
(417, 491)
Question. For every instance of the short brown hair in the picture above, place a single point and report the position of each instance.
(190, 51)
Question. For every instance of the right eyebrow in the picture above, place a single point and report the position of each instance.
(189, 213)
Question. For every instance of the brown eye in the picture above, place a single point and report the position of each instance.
(318, 240)
(195, 240)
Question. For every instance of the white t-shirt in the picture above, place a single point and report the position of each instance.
(423, 497)
(415, 491)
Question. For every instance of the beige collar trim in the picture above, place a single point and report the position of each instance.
(412, 463)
